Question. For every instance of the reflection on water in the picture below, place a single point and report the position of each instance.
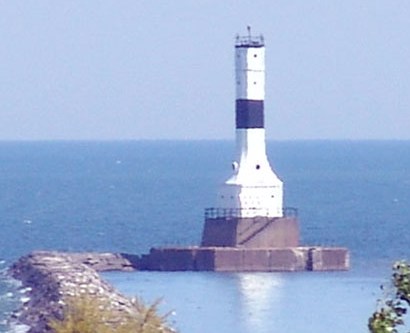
(258, 302)
(259, 297)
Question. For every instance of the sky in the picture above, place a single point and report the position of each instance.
(132, 70)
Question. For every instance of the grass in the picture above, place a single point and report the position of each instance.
(87, 314)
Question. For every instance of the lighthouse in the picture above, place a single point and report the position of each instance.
(253, 188)
(249, 229)
(249, 209)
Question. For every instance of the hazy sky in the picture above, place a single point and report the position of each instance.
(165, 69)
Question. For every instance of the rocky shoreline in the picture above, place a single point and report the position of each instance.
(49, 278)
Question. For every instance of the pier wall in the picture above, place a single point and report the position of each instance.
(235, 259)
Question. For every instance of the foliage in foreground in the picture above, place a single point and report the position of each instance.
(389, 317)
(87, 314)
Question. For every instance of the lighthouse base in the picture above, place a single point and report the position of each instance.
(237, 244)
(231, 259)
(259, 244)
(256, 232)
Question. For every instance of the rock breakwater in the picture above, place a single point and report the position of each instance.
(50, 278)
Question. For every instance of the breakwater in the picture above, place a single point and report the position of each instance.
(50, 278)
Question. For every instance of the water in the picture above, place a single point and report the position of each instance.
(129, 196)
(258, 302)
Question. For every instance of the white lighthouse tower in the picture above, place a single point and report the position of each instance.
(249, 230)
(253, 189)
(249, 208)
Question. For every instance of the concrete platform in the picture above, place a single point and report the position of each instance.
(257, 232)
(237, 259)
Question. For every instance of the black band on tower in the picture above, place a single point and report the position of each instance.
(249, 114)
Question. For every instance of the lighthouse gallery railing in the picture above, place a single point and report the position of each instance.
(215, 213)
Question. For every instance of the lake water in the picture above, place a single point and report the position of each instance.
(130, 196)
(258, 302)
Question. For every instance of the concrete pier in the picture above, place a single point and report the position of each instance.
(236, 259)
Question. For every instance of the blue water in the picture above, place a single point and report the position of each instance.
(129, 196)
(258, 302)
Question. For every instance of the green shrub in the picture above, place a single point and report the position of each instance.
(395, 304)
(82, 315)
(145, 319)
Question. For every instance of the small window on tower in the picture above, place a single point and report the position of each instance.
(258, 166)
(255, 55)
(254, 82)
